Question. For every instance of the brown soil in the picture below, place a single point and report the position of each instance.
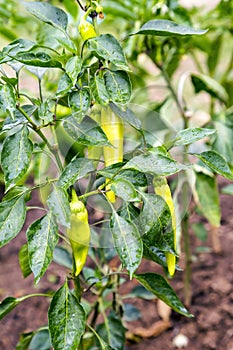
(212, 301)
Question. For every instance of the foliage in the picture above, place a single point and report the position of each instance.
(54, 141)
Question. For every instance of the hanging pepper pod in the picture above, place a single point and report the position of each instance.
(86, 29)
(162, 189)
(79, 233)
(114, 130)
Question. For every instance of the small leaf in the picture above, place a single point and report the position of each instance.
(16, 156)
(12, 217)
(73, 68)
(17, 46)
(135, 177)
(38, 59)
(7, 305)
(63, 257)
(131, 313)
(99, 91)
(127, 242)
(64, 85)
(75, 170)
(113, 332)
(24, 261)
(66, 320)
(203, 82)
(48, 14)
(155, 164)
(7, 99)
(58, 203)
(125, 190)
(155, 222)
(42, 239)
(208, 196)
(24, 341)
(87, 133)
(127, 115)
(41, 340)
(118, 86)
(228, 189)
(107, 47)
(79, 102)
(200, 231)
(215, 162)
(191, 135)
(142, 292)
(163, 27)
(158, 286)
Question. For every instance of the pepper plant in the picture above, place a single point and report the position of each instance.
(66, 142)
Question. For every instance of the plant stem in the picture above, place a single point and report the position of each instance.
(52, 149)
(187, 251)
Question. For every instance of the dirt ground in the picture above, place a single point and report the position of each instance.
(212, 302)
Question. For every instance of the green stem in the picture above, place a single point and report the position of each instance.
(187, 251)
(174, 95)
(40, 90)
(34, 295)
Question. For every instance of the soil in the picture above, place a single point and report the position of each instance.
(212, 296)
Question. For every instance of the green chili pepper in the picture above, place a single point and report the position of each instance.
(95, 152)
(79, 233)
(162, 189)
(114, 130)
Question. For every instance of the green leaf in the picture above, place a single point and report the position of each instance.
(200, 231)
(124, 189)
(142, 293)
(127, 115)
(24, 261)
(7, 99)
(64, 85)
(19, 118)
(131, 313)
(16, 155)
(112, 331)
(215, 162)
(73, 68)
(118, 86)
(7, 305)
(63, 257)
(17, 46)
(38, 59)
(42, 238)
(41, 340)
(107, 47)
(228, 189)
(79, 102)
(12, 217)
(155, 223)
(203, 82)
(66, 320)
(155, 164)
(99, 91)
(75, 170)
(58, 203)
(87, 133)
(127, 242)
(24, 341)
(223, 140)
(191, 135)
(158, 286)
(135, 177)
(47, 13)
(207, 190)
(163, 27)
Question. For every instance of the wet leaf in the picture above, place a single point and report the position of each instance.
(66, 320)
